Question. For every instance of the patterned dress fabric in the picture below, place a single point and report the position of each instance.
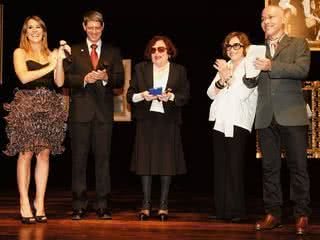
(36, 117)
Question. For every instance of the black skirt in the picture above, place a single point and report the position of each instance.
(158, 148)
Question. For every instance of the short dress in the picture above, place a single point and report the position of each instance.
(37, 116)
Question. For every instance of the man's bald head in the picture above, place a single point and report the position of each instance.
(273, 21)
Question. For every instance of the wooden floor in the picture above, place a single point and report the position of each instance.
(188, 220)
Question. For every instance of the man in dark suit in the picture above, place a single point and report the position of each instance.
(281, 119)
(95, 69)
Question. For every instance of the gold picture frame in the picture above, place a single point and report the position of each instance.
(1, 40)
(302, 19)
(122, 111)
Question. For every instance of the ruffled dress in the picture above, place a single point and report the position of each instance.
(36, 117)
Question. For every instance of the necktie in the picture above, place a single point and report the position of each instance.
(94, 56)
(273, 47)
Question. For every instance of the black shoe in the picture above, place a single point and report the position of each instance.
(41, 219)
(144, 214)
(78, 214)
(163, 215)
(28, 220)
(163, 211)
(213, 217)
(104, 214)
(216, 218)
(238, 220)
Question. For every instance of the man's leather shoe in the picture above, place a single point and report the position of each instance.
(78, 214)
(239, 220)
(103, 214)
(302, 225)
(268, 223)
(215, 218)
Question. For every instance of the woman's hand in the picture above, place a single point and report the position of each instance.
(164, 97)
(224, 70)
(147, 96)
(63, 50)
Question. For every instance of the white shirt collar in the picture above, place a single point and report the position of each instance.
(89, 43)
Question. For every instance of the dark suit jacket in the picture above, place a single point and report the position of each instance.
(280, 90)
(142, 80)
(93, 100)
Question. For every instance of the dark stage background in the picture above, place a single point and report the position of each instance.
(197, 29)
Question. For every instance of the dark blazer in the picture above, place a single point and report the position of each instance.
(142, 80)
(280, 90)
(93, 99)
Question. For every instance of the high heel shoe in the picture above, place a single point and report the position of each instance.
(39, 218)
(27, 220)
(163, 211)
(144, 213)
(163, 215)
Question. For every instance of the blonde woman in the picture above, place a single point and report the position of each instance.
(36, 118)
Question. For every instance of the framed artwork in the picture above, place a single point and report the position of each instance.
(1, 39)
(122, 112)
(303, 19)
(311, 93)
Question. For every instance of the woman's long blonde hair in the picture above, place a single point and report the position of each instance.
(24, 41)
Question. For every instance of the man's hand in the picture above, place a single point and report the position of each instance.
(263, 64)
(94, 76)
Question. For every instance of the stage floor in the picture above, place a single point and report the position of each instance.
(188, 220)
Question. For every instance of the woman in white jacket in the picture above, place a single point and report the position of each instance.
(232, 113)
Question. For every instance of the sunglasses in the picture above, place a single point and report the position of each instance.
(235, 46)
(160, 49)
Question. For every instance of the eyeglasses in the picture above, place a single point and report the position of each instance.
(235, 46)
(160, 49)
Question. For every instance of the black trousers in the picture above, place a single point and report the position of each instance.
(93, 135)
(229, 156)
(294, 141)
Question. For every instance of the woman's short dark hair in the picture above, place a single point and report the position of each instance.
(243, 38)
(171, 49)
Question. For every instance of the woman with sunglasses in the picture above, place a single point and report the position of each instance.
(232, 113)
(158, 90)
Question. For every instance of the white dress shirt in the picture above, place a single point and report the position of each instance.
(234, 105)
